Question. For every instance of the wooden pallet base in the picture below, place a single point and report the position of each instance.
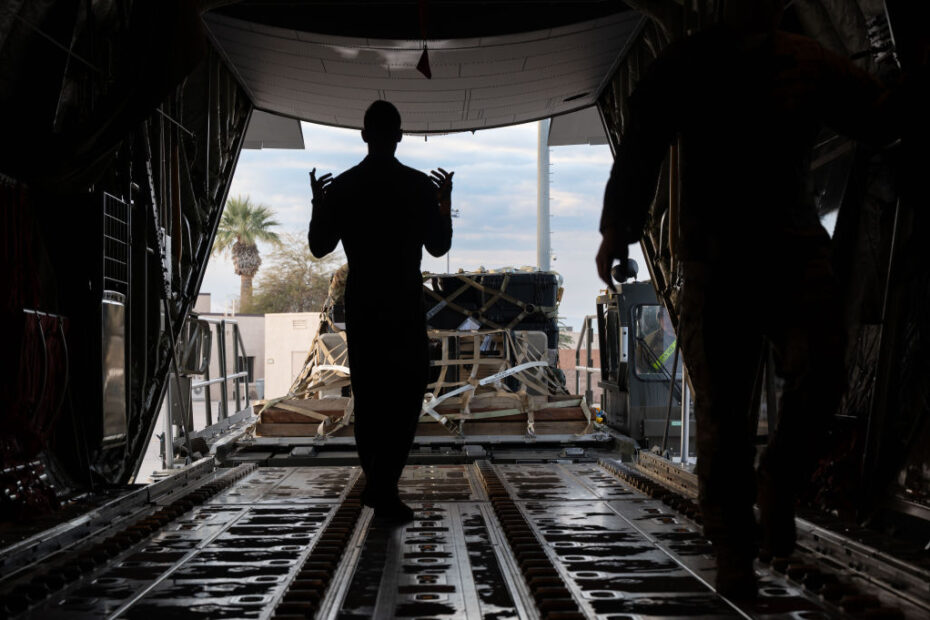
(489, 383)
(429, 428)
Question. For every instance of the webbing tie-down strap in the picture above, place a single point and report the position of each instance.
(429, 408)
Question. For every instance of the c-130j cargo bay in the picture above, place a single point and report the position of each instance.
(123, 123)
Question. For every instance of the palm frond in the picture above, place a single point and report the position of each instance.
(246, 223)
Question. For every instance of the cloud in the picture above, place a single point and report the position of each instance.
(581, 156)
(564, 203)
(495, 193)
(221, 282)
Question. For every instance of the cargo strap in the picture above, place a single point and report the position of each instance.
(321, 358)
(347, 417)
(510, 349)
(429, 407)
(321, 361)
(587, 416)
(524, 408)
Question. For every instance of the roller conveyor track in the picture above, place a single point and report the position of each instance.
(560, 541)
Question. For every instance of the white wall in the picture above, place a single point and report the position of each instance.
(288, 337)
(202, 305)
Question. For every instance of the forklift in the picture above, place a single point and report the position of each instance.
(642, 370)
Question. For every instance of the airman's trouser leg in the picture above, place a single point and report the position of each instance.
(721, 345)
(721, 333)
(407, 403)
(388, 387)
(809, 343)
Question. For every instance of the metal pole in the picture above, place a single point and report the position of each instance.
(245, 356)
(237, 366)
(771, 403)
(168, 436)
(882, 369)
(224, 394)
(685, 414)
(584, 326)
(673, 205)
(542, 196)
(671, 395)
(186, 423)
(588, 392)
(208, 405)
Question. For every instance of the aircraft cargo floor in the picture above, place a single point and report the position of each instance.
(493, 541)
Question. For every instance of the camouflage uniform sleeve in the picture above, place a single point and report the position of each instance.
(652, 126)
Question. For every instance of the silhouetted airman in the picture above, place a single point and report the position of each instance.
(385, 214)
(746, 103)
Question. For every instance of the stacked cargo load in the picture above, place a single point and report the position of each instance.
(494, 353)
(483, 383)
(519, 300)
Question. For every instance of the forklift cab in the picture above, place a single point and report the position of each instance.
(641, 368)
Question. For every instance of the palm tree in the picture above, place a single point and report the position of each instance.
(240, 227)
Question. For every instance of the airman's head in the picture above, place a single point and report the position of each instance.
(382, 125)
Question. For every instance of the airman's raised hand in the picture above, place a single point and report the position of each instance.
(319, 186)
(443, 182)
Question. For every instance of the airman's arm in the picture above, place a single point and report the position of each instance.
(323, 234)
(634, 176)
(438, 238)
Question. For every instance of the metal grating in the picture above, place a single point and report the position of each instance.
(540, 540)
(116, 221)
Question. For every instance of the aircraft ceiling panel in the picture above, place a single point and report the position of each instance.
(581, 127)
(359, 67)
(439, 96)
(403, 66)
(489, 67)
(591, 56)
(550, 79)
(501, 121)
(476, 82)
(299, 97)
(267, 131)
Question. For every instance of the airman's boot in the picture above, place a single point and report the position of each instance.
(736, 577)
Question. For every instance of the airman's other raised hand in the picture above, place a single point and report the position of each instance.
(319, 186)
(443, 182)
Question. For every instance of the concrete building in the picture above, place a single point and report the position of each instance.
(288, 337)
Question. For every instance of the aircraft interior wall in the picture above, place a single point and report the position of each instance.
(117, 158)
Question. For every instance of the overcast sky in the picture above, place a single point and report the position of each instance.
(494, 191)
